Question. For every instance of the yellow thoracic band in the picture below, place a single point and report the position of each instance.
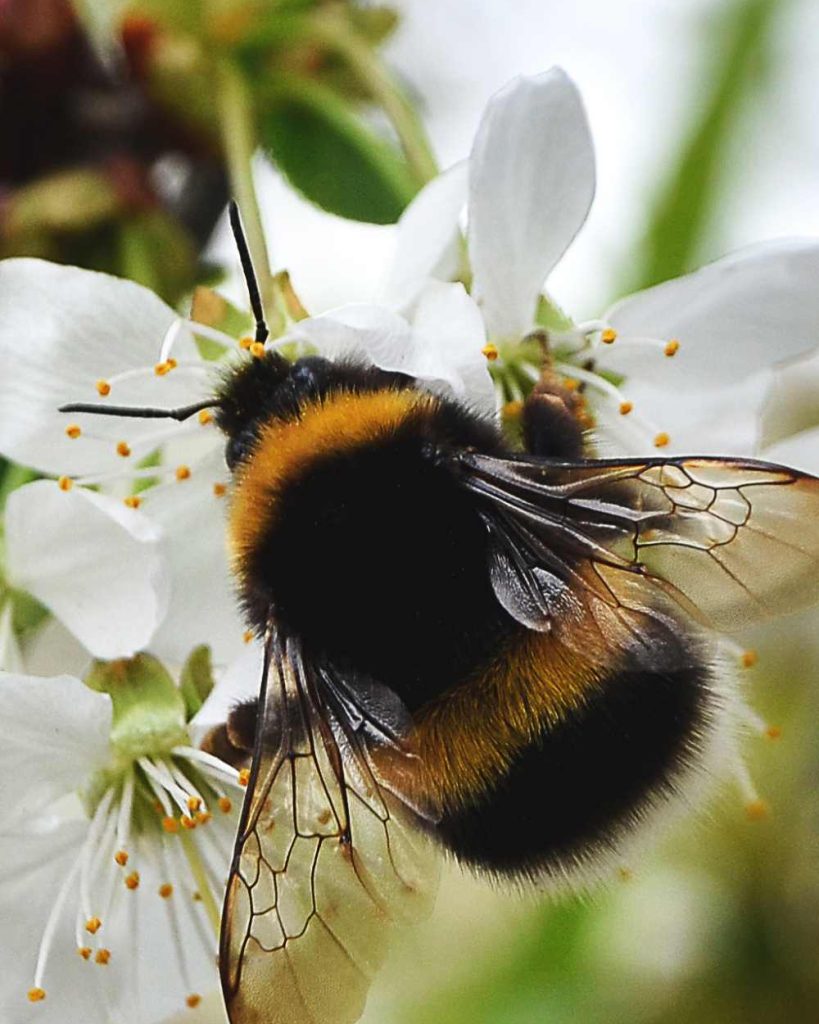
(336, 424)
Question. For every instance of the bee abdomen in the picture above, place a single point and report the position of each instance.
(571, 797)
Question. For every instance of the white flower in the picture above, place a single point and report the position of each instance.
(115, 837)
(717, 333)
(140, 571)
(148, 571)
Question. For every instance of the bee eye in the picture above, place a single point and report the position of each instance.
(238, 448)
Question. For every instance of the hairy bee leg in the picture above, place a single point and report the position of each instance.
(552, 419)
(233, 741)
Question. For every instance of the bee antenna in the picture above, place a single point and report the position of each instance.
(247, 269)
(184, 412)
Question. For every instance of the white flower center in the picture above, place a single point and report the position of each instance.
(154, 819)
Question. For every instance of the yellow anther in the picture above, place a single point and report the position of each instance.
(93, 925)
(490, 351)
(757, 810)
(219, 490)
(162, 368)
(121, 857)
(132, 501)
(609, 336)
(65, 483)
(103, 388)
(123, 449)
(749, 658)
(625, 408)
(102, 957)
(187, 822)
(245, 343)
(513, 409)
(170, 824)
(661, 439)
(166, 891)
(225, 804)
(570, 384)
(36, 995)
(194, 803)
(773, 732)
(203, 817)
(257, 349)
(182, 472)
(73, 431)
(244, 776)
(84, 952)
(205, 416)
(193, 1000)
(132, 880)
(672, 348)
(247, 636)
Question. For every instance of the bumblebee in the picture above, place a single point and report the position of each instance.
(506, 655)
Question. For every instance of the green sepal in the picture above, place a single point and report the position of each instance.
(551, 316)
(196, 680)
(149, 711)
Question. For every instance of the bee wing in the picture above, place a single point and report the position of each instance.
(331, 850)
(732, 541)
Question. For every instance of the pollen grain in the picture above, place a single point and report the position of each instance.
(182, 472)
(73, 430)
(65, 483)
(103, 388)
(123, 449)
(132, 880)
(661, 440)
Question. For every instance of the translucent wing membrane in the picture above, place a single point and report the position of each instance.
(730, 541)
(331, 850)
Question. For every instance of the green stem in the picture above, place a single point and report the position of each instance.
(239, 139)
(202, 884)
(384, 90)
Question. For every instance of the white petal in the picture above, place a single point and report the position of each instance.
(53, 649)
(427, 234)
(33, 868)
(11, 660)
(55, 736)
(713, 422)
(450, 334)
(90, 560)
(203, 608)
(801, 451)
(62, 329)
(374, 334)
(531, 185)
(441, 352)
(750, 311)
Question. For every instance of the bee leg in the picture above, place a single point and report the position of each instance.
(233, 741)
(553, 419)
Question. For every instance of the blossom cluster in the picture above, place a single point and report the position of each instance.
(121, 539)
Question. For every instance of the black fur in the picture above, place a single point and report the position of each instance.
(593, 777)
(377, 560)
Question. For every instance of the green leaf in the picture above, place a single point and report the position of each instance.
(196, 680)
(331, 157)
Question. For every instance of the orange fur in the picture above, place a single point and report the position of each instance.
(286, 448)
(469, 737)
